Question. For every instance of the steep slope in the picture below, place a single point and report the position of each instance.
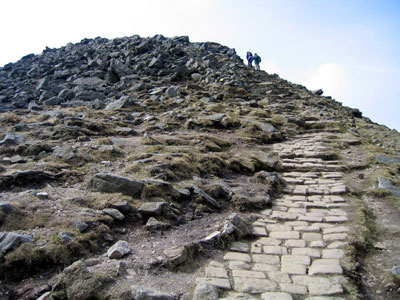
(155, 142)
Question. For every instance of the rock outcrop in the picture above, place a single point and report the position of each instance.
(136, 165)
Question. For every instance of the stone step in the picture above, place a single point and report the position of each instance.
(300, 240)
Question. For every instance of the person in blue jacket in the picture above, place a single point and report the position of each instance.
(249, 57)
(257, 60)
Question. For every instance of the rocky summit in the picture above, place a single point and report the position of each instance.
(156, 168)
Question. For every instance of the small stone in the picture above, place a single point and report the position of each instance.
(265, 267)
(239, 247)
(248, 274)
(42, 195)
(254, 285)
(276, 296)
(296, 259)
(325, 269)
(266, 259)
(325, 289)
(279, 277)
(256, 248)
(312, 236)
(277, 250)
(222, 283)
(237, 256)
(239, 265)
(269, 241)
(335, 236)
(216, 272)
(285, 235)
(259, 231)
(295, 243)
(80, 225)
(294, 269)
(335, 245)
(317, 244)
(293, 288)
(307, 252)
(118, 250)
(332, 253)
(205, 291)
(65, 237)
(115, 213)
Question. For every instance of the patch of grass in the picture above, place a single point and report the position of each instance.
(361, 240)
(10, 118)
(241, 165)
(212, 165)
(278, 120)
(21, 220)
(29, 259)
(183, 168)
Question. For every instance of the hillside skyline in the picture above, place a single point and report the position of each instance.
(349, 49)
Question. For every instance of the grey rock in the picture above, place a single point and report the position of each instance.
(151, 209)
(11, 240)
(387, 160)
(89, 82)
(5, 207)
(152, 224)
(172, 92)
(214, 117)
(89, 95)
(66, 153)
(80, 225)
(123, 206)
(115, 213)
(396, 270)
(97, 104)
(205, 291)
(204, 197)
(265, 127)
(109, 183)
(118, 250)
(33, 106)
(17, 159)
(142, 293)
(388, 185)
(197, 77)
(66, 94)
(53, 101)
(65, 237)
(229, 228)
(318, 92)
(123, 102)
(243, 228)
(12, 139)
(177, 255)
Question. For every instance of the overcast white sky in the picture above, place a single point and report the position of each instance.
(349, 48)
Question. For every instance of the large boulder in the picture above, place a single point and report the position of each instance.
(109, 183)
(12, 139)
(11, 240)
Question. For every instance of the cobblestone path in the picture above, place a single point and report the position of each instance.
(300, 240)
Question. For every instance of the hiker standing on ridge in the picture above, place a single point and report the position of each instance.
(257, 61)
(249, 57)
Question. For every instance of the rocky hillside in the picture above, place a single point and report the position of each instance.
(127, 165)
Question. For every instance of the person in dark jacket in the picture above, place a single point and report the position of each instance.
(249, 57)
(257, 60)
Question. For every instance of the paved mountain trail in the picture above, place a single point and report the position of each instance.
(301, 241)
